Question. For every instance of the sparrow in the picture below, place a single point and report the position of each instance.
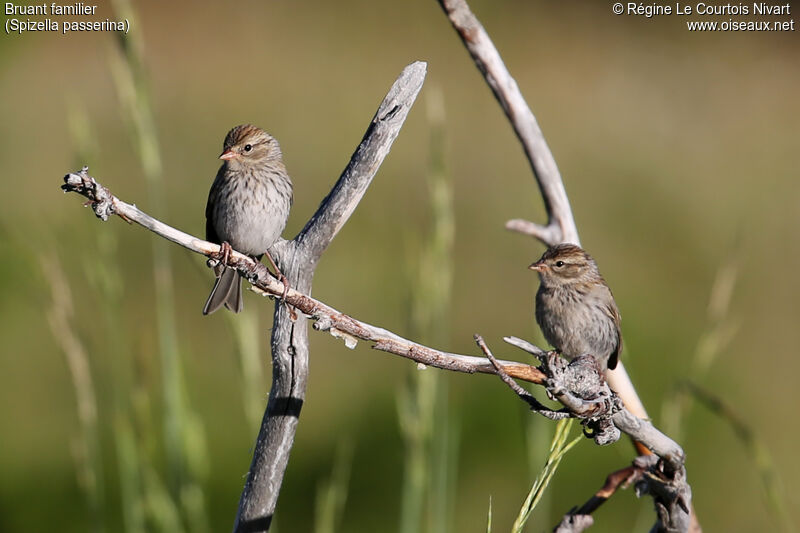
(248, 206)
(575, 308)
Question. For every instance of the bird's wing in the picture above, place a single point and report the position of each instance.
(211, 233)
(613, 313)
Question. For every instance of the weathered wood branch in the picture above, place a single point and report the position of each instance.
(325, 317)
(670, 492)
(298, 259)
(560, 225)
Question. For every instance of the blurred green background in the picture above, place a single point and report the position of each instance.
(679, 154)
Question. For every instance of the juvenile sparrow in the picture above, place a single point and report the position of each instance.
(247, 209)
(575, 308)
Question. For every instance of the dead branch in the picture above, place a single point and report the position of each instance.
(670, 492)
(351, 330)
(298, 259)
(560, 225)
(526, 396)
(580, 519)
(325, 317)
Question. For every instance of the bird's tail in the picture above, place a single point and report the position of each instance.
(227, 291)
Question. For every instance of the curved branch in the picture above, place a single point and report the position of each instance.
(561, 224)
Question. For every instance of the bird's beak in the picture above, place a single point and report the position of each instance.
(228, 154)
(537, 266)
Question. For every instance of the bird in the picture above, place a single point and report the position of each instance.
(575, 308)
(248, 206)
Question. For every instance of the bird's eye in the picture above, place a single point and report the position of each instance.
(559, 264)
(248, 147)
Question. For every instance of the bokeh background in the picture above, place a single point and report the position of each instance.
(679, 154)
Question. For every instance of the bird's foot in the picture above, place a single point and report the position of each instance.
(283, 279)
(225, 252)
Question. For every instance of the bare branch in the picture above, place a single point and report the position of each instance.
(614, 481)
(526, 346)
(327, 318)
(645, 432)
(580, 519)
(639, 429)
(299, 257)
(672, 495)
(524, 395)
(349, 329)
(560, 225)
(337, 207)
(546, 234)
(670, 492)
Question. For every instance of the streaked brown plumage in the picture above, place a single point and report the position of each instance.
(575, 308)
(248, 206)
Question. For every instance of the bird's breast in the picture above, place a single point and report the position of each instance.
(250, 210)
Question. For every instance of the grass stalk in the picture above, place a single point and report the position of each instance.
(184, 439)
(332, 493)
(713, 341)
(425, 421)
(87, 446)
(247, 336)
(558, 448)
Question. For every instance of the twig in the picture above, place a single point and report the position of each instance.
(526, 396)
(669, 490)
(524, 345)
(615, 480)
(579, 519)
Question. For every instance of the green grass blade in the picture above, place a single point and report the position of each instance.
(332, 494)
(558, 448)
